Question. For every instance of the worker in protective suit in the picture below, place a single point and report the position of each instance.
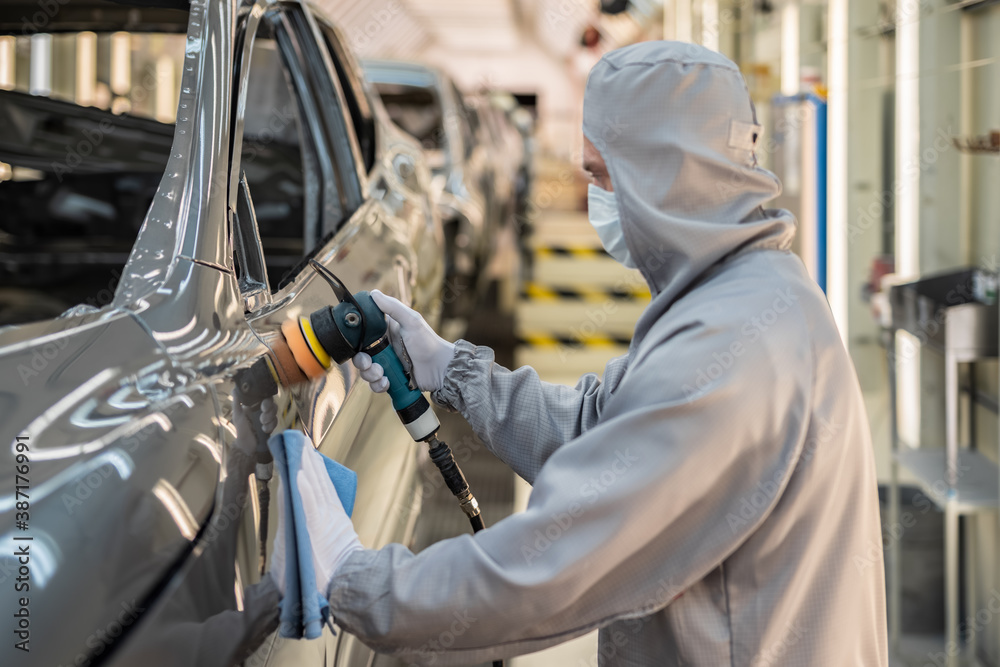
(713, 499)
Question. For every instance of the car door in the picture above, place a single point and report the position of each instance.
(299, 149)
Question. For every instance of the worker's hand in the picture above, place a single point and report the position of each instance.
(424, 354)
(330, 529)
(371, 372)
(331, 532)
(277, 567)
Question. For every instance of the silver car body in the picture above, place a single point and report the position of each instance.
(143, 519)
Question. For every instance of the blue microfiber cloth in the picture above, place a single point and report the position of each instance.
(304, 609)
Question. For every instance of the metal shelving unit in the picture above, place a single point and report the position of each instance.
(944, 316)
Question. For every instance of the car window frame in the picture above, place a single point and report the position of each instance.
(289, 50)
(288, 20)
(332, 103)
(352, 72)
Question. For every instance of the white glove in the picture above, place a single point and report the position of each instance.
(330, 529)
(332, 533)
(277, 569)
(424, 354)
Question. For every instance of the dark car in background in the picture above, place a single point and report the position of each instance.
(176, 204)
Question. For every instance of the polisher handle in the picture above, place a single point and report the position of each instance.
(399, 381)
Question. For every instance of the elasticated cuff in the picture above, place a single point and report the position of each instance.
(468, 360)
(352, 565)
(340, 593)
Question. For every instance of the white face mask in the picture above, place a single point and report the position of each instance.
(602, 210)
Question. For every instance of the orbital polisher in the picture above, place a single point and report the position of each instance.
(331, 336)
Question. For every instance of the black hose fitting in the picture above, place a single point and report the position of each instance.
(442, 457)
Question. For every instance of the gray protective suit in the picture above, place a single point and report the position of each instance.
(713, 500)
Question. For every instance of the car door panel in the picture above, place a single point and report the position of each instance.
(204, 616)
(389, 242)
(172, 525)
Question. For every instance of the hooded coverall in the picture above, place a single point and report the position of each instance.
(713, 499)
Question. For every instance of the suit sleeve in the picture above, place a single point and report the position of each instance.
(621, 520)
(522, 419)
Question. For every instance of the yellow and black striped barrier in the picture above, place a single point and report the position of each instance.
(537, 292)
(577, 252)
(553, 341)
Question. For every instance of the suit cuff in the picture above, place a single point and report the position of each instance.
(469, 360)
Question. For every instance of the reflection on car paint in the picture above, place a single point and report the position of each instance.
(143, 518)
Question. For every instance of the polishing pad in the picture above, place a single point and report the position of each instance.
(289, 373)
(300, 349)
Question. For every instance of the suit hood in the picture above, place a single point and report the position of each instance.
(677, 129)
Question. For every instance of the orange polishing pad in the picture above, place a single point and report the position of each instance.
(289, 373)
(300, 350)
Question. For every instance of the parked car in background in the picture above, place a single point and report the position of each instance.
(521, 121)
(145, 520)
(427, 104)
(515, 125)
(506, 153)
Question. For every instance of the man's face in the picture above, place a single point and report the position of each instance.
(594, 165)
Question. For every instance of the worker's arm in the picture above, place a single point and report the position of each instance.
(620, 520)
(522, 419)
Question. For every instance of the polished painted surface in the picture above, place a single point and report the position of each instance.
(144, 514)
